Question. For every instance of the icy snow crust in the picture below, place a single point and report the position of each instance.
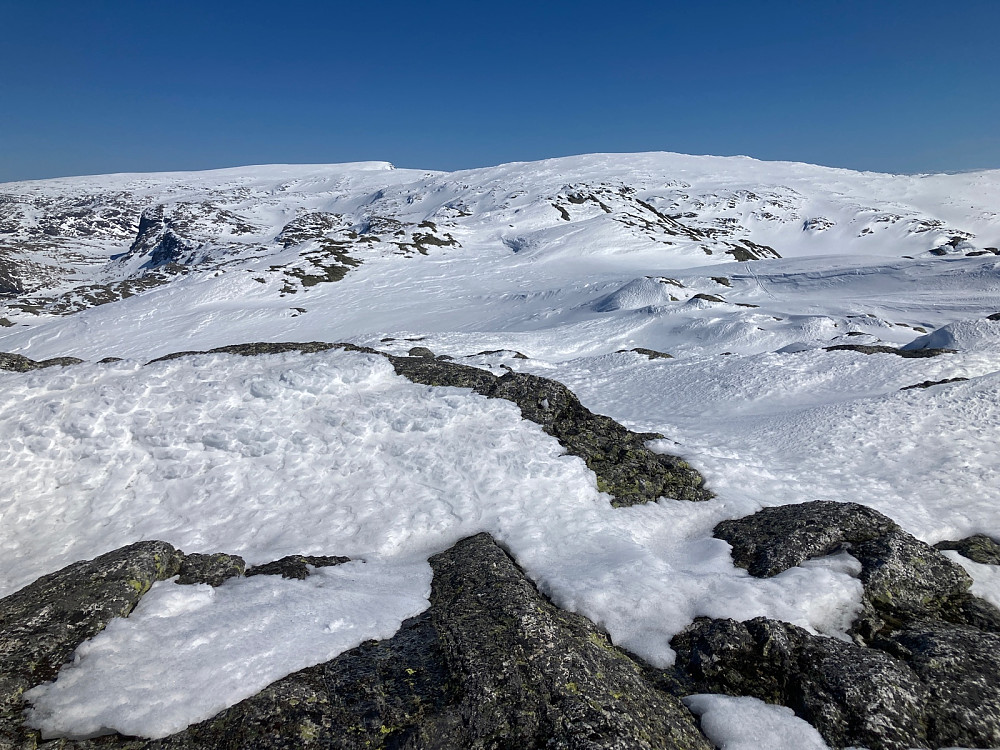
(334, 454)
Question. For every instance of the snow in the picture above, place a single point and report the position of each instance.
(334, 454)
(750, 724)
(221, 644)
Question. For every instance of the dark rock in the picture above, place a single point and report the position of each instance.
(502, 352)
(851, 694)
(649, 353)
(210, 569)
(882, 349)
(994, 316)
(624, 466)
(20, 363)
(491, 664)
(708, 297)
(421, 351)
(929, 383)
(258, 348)
(775, 539)
(903, 578)
(43, 623)
(109, 360)
(978, 548)
(958, 665)
(295, 566)
(906, 579)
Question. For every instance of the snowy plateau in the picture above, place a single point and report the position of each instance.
(819, 348)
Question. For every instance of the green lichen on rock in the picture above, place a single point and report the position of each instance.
(211, 569)
(43, 623)
(491, 664)
(625, 467)
(978, 548)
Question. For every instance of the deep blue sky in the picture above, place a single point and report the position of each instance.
(137, 85)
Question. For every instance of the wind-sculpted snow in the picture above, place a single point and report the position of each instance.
(796, 303)
(332, 453)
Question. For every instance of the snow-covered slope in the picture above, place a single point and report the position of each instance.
(743, 271)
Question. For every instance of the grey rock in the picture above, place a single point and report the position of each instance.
(978, 548)
(295, 566)
(624, 466)
(649, 353)
(20, 363)
(43, 623)
(851, 694)
(882, 349)
(959, 666)
(210, 569)
(421, 351)
(775, 539)
(491, 664)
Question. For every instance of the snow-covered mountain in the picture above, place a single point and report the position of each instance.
(762, 319)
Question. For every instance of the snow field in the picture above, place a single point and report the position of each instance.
(331, 454)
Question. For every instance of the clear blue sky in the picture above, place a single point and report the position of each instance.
(141, 85)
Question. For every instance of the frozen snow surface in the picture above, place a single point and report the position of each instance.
(744, 271)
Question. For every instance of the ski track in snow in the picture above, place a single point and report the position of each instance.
(334, 454)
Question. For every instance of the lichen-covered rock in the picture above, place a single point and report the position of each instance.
(296, 566)
(536, 676)
(625, 467)
(775, 539)
(210, 569)
(959, 666)
(978, 548)
(20, 363)
(43, 623)
(491, 664)
(851, 694)
(905, 579)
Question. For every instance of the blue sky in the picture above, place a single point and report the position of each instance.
(136, 85)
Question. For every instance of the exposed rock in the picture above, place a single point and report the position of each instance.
(852, 695)
(502, 352)
(421, 351)
(624, 466)
(43, 623)
(649, 353)
(258, 348)
(978, 548)
(491, 664)
(295, 566)
(882, 349)
(708, 297)
(20, 363)
(958, 664)
(210, 569)
(903, 578)
(775, 539)
(929, 383)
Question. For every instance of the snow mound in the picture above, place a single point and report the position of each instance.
(965, 335)
(636, 294)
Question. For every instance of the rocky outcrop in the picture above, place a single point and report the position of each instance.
(296, 566)
(210, 569)
(921, 671)
(491, 664)
(20, 363)
(626, 469)
(882, 349)
(854, 696)
(978, 548)
(42, 624)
